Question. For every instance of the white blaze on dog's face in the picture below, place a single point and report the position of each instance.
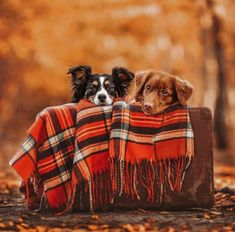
(101, 89)
(102, 97)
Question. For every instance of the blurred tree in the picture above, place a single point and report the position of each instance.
(221, 104)
(213, 69)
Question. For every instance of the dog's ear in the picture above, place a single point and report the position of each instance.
(184, 90)
(79, 73)
(79, 77)
(138, 84)
(122, 79)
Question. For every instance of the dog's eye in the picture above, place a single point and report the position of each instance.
(91, 86)
(110, 88)
(148, 87)
(164, 92)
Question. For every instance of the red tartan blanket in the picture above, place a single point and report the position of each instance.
(152, 150)
(75, 150)
(45, 159)
(91, 160)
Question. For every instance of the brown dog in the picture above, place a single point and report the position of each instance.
(157, 90)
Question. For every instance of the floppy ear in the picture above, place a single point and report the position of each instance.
(139, 83)
(79, 77)
(122, 79)
(139, 86)
(184, 90)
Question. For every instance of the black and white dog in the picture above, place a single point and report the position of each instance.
(100, 89)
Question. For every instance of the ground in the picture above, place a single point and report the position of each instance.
(15, 217)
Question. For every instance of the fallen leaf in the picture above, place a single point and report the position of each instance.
(11, 223)
(207, 216)
(129, 227)
(20, 228)
(164, 212)
(147, 224)
(24, 225)
(228, 228)
(20, 219)
(141, 228)
(2, 225)
(216, 213)
(55, 230)
(185, 227)
(92, 227)
(105, 226)
(170, 229)
(41, 228)
(142, 210)
(95, 217)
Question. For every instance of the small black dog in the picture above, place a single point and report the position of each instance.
(99, 88)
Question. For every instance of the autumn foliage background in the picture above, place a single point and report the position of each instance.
(40, 39)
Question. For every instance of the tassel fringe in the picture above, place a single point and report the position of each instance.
(135, 180)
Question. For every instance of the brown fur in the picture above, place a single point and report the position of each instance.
(157, 90)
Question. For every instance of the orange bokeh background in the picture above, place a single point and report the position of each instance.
(40, 40)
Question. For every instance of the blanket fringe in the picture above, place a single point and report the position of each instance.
(95, 192)
(135, 180)
(130, 179)
(32, 189)
(151, 176)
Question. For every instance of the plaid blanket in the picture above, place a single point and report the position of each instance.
(150, 150)
(79, 150)
(91, 160)
(45, 159)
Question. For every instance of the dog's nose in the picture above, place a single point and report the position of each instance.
(102, 98)
(148, 107)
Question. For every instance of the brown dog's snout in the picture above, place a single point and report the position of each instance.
(148, 107)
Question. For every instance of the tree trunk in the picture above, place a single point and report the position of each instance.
(221, 105)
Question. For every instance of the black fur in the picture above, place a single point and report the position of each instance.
(79, 82)
(81, 76)
(122, 78)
